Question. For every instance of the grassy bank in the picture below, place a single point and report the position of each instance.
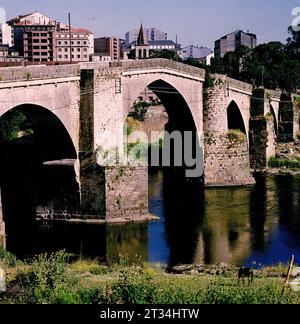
(56, 279)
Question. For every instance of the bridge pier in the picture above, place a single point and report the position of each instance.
(113, 194)
(227, 161)
(263, 127)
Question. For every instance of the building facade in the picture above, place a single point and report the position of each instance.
(230, 42)
(6, 35)
(81, 45)
(8, 55)
(109, 46)
(195, 52)
(41, 39)
(151, 34)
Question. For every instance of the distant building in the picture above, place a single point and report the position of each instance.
(109, 46)
(97, 57)
(142, 48)
(157, 46)
(195, 52)
(41, 39)
(151, 34)
(230, 42)
(82, 45)
(9, 55)
(207, 59)
(155, 34)
(6, 35)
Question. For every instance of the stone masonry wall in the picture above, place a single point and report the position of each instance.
(126, 193)
(226, 162)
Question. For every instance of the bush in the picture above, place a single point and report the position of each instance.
(284, 163)
(48, 281)
(236, 136)
(133, 287)
(7, 259)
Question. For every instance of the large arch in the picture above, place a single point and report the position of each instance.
(190, 91)
(180, 119)
(38, 162)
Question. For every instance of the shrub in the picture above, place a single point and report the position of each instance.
(236, 136)
(284, 163)
(133, 287)
(7, 259)
(48, 281)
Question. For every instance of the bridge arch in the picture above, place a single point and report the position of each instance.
(38, 168)
(189, 90)
(235, 118)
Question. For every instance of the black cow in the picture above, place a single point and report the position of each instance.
(246, 273)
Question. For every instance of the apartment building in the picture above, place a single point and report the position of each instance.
(150, 34)
(41, 39)
(80, 46)
(230, 42)
(109, 46)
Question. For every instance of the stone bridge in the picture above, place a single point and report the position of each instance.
(87, 105)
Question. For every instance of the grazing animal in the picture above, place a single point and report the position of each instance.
(246, 273)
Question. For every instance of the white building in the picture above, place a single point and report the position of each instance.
(6, 35)
(151, 34)
(82, 45)
(195, 52)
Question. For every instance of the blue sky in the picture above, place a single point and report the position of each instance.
(194, 21)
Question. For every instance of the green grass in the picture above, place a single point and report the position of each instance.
(54, 279)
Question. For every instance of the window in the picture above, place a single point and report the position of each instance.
(66, 43)
(66, 56)
(78, 42)
(59, 49)
(78, 56)
(66, 50)
(78, 49)
(59, 43)
(60, 56)
(85, 49)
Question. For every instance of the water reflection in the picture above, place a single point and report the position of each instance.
(237, 226)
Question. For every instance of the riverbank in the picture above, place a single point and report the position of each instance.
(61, 279)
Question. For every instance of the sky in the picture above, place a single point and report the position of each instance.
(196, 22)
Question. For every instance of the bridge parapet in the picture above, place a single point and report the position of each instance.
(232, 84)
(159, 63)
(38, 72)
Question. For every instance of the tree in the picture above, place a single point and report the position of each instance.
(166, 54)
(11, 125)
(293, 44)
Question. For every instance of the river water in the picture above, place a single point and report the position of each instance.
(253, 226)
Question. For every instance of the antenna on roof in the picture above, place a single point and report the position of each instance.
(70, 33)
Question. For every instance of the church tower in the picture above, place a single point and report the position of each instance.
(142, 49)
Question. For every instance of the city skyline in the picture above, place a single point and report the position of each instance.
(206, 21)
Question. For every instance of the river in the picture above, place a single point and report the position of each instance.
(253, 226)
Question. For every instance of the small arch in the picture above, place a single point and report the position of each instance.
(235, 118)
(145, 53)
(140, 54)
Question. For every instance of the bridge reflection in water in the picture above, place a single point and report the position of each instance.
(233, 225)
